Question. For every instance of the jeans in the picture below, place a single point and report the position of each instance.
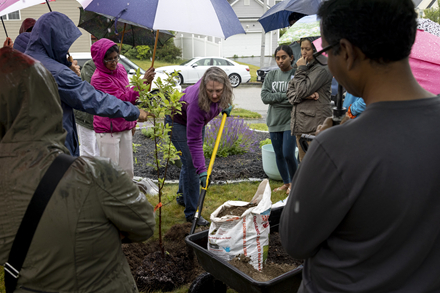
(189, 182)
(284, 146)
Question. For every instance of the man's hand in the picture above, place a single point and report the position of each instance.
(328, 122)
(8, 43)
(301, 61)
(314, 96)
(75, 68)
(149, 75)
(203, 176)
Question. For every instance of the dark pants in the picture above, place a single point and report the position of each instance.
(284, 146)
(189, 182)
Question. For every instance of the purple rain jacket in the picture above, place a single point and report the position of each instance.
(113, 82)
(195, 118)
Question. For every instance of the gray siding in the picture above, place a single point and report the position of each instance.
(68, 7)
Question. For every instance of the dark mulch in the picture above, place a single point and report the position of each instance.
(234, 167)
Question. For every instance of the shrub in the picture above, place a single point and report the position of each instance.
(168, 52)
(264, 142)
(237, 138)
(148, 132)
(143, 52)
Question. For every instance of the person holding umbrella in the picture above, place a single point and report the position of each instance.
(202, 102)
(114, 135)
(363, 213)
(309, 92)
(51, 38)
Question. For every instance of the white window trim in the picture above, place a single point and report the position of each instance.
(6, 16)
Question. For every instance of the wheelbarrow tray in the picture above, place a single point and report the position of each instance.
(233, 277)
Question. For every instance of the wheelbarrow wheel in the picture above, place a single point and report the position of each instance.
(207, 283)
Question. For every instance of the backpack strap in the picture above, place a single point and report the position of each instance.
(32, 217)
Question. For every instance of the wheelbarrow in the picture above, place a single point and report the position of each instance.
(220, 273)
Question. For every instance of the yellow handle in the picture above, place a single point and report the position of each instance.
(214, 152)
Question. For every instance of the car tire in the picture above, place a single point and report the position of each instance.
(234, 79)
(180, 79)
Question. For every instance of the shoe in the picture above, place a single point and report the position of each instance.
(200, 222)
(180, 200)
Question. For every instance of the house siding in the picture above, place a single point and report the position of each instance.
(68, 7)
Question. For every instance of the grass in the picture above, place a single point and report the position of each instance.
(245, 114)
(253, 71)
(259, 126)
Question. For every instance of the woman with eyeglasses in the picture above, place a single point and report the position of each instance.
(309, 92)
(114, 135)
(273, 93)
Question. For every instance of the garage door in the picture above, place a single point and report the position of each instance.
(246, 45)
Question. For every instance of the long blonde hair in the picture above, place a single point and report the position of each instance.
(218, 75)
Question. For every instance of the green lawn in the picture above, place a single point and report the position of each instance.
(245, 114)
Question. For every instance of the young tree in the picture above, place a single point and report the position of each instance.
(160, 103)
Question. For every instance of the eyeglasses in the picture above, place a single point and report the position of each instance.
(317, 54)
(113, 60)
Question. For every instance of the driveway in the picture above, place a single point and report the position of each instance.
(247, 96)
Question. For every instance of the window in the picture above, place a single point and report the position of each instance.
(12, 16)
(204, 62)
(221, 62)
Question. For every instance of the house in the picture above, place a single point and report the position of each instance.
(248, 45)
(13, 21)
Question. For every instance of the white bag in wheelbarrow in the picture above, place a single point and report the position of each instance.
(247, 234)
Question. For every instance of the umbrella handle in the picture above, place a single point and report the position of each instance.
(154, 54)
(211, 164)
(122, 39)
(4, 27)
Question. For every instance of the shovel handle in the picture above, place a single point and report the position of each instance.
(211, 165)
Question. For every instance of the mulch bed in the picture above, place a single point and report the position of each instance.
(234, 167)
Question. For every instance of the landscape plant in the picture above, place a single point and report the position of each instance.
(237, 138)
(144, 52)
(264, 142)
(164, 101)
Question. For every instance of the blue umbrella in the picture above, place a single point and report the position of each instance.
(205, 17)
(278, 16)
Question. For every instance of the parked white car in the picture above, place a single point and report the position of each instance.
(129, 66)
(192, 70)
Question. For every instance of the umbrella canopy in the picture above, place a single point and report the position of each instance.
(305, 27)
(428, 26)
(102, 26)
(278, 16)
(424, 60)
(206, 17)
(9, 6)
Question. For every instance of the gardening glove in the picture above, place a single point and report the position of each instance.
(203, 176)
(227, 111)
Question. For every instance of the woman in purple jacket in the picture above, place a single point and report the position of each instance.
(114, 135)
(202, 102)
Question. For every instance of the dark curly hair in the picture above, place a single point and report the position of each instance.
(384, 30)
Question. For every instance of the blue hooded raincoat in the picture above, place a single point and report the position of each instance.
(50, 40)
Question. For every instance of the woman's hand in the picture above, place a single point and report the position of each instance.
(75, 68)
(8, 43)
(301, 61)
(149, 75)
